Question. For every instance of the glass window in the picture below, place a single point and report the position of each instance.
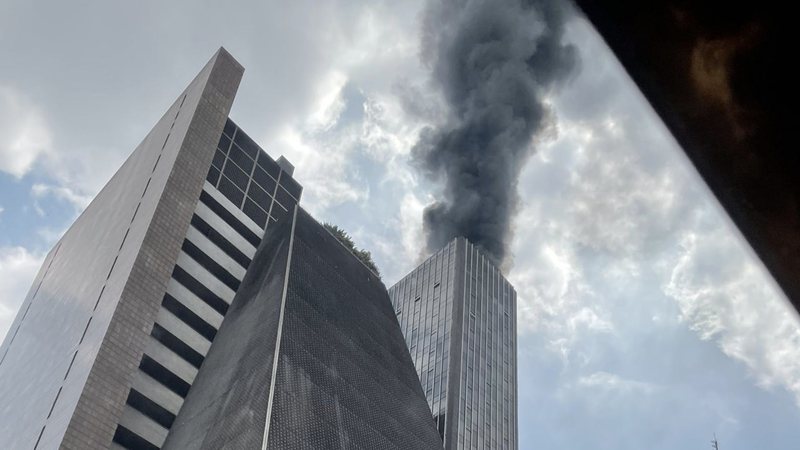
(231, 191)
(224, 143)
(291, 186)
(258, 215)
(229, 218)
(284, 198)
(246, 144)
(269, 165)
(264, 180)
(237, 175)
(213, 175)
(229, 128)
(259, 195)
(244, 161)
(277, 212)
(219, 159)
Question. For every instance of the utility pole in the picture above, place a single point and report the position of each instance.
(714, 443)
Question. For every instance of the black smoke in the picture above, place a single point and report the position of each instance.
(494, 62)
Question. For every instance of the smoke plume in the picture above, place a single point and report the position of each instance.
(494, 62)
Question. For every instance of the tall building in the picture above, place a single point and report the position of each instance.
(126, 305)
(458, 316)
(310, 356)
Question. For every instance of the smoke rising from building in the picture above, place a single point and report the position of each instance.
(494, 62)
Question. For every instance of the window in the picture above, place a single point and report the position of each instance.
(253, 211)
(237, 175)
(244, 161)
(229, 218)
(291, 186)
(177, 346)
(164, 376)
(129, 439)
(278, 212)
(189, 317)
(210, 264)
(284, 198)
(219, 159)
(224, 143)
(246, 144)
(264, 180)
(150, 409)
(229, 190)
(229, 128)
(259, 196)
(213, 175)
(220, 241)
(269, 166)
(197, 288)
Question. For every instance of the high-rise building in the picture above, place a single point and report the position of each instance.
(125, 307)
(458, 316)
(310, 356)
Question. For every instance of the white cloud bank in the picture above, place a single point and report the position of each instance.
(616, 228)
(610, 383)
(737, 306)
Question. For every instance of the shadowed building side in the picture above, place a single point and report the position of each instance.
(343, 376)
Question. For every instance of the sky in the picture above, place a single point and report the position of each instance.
(645, 320)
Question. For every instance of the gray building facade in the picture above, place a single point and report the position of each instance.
(126, 305)
(457, 313)
(310, 356)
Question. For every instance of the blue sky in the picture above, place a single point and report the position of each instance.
(644, 319)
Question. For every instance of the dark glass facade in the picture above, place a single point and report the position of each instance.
(458, 316)
(250, 178)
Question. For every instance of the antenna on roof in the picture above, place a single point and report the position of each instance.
(714, 443)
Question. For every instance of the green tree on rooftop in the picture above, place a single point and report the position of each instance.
(363, 255)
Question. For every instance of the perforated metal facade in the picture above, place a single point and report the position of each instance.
(309, 356)
(458, 316)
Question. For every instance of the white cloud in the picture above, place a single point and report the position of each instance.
(388, 133)
(24, 135)
(616, 229)
(329, 103)
(324, 167)
(726, 296)
(410, 228)
(78, 200)
(18, 267)
(350, 113)
(615, 384)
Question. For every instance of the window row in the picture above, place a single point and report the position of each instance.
(247, 154)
